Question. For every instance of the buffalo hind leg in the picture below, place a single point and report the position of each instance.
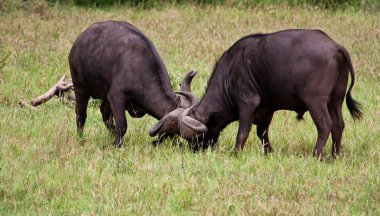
(105, 109)
(322, 120)
(337, 129)
(262, 133)
(81, 110)
(335, 109)
(118, 102)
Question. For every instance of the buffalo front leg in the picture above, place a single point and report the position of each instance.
(212, 141)
(262, 133)
(105, 109)
(245, 125)
(118, 102)
(81, 110)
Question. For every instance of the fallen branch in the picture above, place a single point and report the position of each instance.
(26, 104)
(59, 89)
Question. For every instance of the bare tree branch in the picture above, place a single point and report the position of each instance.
(26, 104)
(61, 87)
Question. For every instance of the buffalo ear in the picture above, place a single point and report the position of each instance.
(168, 124)
(193, 124)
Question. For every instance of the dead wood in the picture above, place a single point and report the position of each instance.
(59, 89)
(26, 104)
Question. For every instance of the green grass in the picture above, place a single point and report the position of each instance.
(46, 169)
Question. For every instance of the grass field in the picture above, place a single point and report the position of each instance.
(46, 169)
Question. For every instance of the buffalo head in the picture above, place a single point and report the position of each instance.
(179, 122)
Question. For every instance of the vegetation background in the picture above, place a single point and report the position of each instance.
(46, 169)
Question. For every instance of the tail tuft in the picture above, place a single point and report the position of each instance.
(354, 107)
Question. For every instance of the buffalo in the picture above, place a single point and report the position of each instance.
(116, 63)
(299, 70)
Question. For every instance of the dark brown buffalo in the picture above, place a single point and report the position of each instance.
(298, 70)
(115, 62)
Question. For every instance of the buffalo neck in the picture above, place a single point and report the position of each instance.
(163, 104)
(215, 110)
(160, 99)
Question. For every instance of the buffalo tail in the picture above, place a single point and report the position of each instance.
(353, 105)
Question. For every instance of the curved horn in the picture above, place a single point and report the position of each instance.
(186, 83)
(193, 100)
(194, 124)
(156, 127)
(168, 124)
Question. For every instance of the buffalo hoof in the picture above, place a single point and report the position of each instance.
(117, 144)
(235, 153)
(318, 155)
(268, 149)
